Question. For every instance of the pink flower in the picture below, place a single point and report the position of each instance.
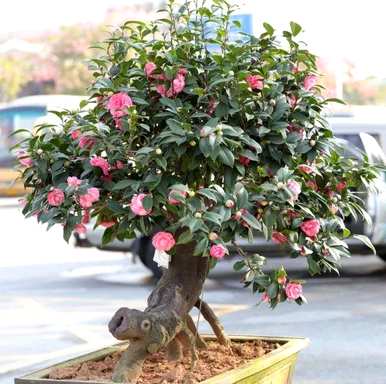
(312, 185)
(101, 163)
(136, 205)
(24, 159)
(160, 88)
(55, 197)
(255, 81)
(293, 291)
(178, 84)
(342, 185)
(292, 101)
(244, 160)
(265, 298)
(87, 142)
(107, 224)
(163, 241)
(73, 181)
(218, 251)
(119, 165)
(307, 169)
(182, 72)
(87, 200)
(80, 229)
(86, 217)
(149, 68)
(279, 238)
(310, 227)
(309, 82)
(75, 134)
(118, 104)
(295, 188)
(175, 201)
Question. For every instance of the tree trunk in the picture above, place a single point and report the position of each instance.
(166, 320)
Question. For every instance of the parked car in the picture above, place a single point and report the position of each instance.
(346, 128)
(25, 113)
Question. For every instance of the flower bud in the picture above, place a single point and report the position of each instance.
(229, 203)
(264, 203)
(312, 143)
(158, 151)
(213, 236)
(191, 193)
(198, 215)
(280, 185)
(238, 214)
(192, 143)
(39, 151)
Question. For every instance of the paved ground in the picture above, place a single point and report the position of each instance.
(55, 302)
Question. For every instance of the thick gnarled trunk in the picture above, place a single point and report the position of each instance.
(166, 321)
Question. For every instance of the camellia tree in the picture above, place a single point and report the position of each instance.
(197, 139)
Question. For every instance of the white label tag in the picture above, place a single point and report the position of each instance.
(162, 258)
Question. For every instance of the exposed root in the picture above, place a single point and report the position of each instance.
(200, 342)
(214, 322)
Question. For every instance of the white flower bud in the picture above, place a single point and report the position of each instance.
(213, 236)
(158, 151)
(198, 215)
(229, 203)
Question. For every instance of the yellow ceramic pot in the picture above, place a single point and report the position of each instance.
(276, 367)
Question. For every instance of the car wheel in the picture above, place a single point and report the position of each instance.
(146, 254)
(381, 252)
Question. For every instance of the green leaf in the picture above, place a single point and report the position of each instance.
(226, 157)
(147, 202)
(251, 220)
(122, 184)
(185, 237)
(295, 28)
(365, 240)
(270, 30)
(208, 194)
(201, 247)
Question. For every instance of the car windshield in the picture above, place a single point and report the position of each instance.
(12, 119)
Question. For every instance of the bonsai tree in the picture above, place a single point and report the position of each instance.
(197, 139)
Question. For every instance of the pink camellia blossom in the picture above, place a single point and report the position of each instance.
(295, 188)
(292, 214)
(73, 181)
(309, 82)
(101, 163)
(218, 251)
(310, 227)
(80, 229)
(55, 197)
(312, 185)
(118, 104)
(24, 159)
(342, 185)
(292, 101)
(160, 88)
(307, 169)
(279, 238)
(178, 84)
(182, 72)
(173, 201)
(149, 69)
(87, 142)
(329, 192)
(255, 81)
(244, 160)
(107, 224)
(87, 200)
(119, 165)
(75, 134)
(293, 291)
(94, 193)
(86, 217)
(136, 205)
(282, 280)
(163, 241)
(265, 297)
